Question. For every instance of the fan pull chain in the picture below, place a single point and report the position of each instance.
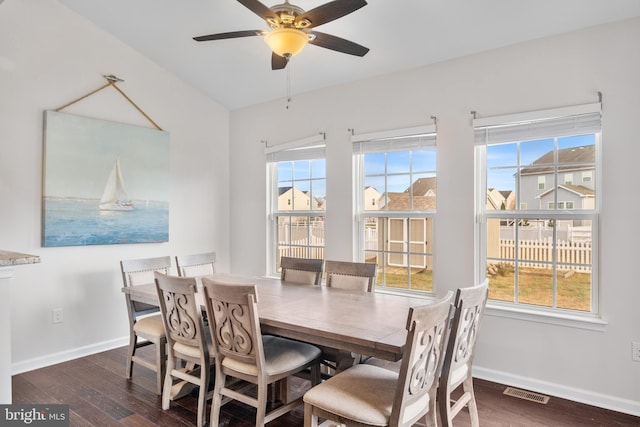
(288, 86)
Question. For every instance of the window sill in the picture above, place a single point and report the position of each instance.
(413, 294)
(586, 321)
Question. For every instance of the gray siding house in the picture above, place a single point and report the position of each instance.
(575, 175)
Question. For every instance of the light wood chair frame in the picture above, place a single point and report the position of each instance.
(185, 263)
(232, 311)
(186, 337)
(137, 310)
(469, 309)
(301, 264)
(427, 334)
(356, 269)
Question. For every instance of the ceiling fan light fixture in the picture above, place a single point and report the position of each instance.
(286, 42)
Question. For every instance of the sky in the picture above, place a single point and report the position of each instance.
(502, 165)
(502, 159)
(80, 153)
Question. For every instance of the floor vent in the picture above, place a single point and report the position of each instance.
(526, 395)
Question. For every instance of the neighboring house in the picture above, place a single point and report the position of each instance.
(509, 199)
(576, 167)
(569, 197)
(500, 200)
(371, 199)
(402, 202)
(423, 187)
(291, 198)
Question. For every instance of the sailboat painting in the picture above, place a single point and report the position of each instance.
(115, 196)
(104, 182)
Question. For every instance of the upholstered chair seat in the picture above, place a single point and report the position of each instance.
(151, 326)
(368, 395)
(243, 353)
(363, 394)
(145, 322)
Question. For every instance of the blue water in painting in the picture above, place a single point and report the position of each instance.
(78, 222)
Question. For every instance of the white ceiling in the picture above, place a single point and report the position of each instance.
(402, 34)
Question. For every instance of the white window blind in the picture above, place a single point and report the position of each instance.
(558, 122)
(395, 140)
(312, 147)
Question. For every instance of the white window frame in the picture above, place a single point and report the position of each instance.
(387, 141)
(568, 178)
(310, 148)
(566, 121)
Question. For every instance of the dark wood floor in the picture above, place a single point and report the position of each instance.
(97, 393)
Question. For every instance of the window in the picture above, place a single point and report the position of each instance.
(541, 182)
(395, 188)
(587, 176)
(542, 255)
(568, 178)
(296, 203)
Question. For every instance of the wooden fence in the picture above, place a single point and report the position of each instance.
(539, 253)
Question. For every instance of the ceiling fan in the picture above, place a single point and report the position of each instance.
(292, 28)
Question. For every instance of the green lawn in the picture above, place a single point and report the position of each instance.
(534, 286)
(397, 278)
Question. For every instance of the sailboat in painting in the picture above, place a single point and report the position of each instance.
(115, 196)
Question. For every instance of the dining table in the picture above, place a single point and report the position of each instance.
(367, 323)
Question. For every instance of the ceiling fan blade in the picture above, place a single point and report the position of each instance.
(229, 35)
(260, 9)
(278, 62)
(330, 11)
(338, 44)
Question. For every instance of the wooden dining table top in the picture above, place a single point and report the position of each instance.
(368, 323)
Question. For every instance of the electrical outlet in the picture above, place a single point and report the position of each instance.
(635, 351)
(56, 316)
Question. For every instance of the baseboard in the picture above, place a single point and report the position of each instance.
(552, 389)
(64, 356)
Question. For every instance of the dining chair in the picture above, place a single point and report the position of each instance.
(301, 270)
(366, 395)
(359, 276)
(356, 276)
(196, 264)
(456, 371)
(186, 338)
(243, 353)
(145, 322)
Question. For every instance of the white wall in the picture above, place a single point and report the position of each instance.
(590, 366)
(50, 56)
